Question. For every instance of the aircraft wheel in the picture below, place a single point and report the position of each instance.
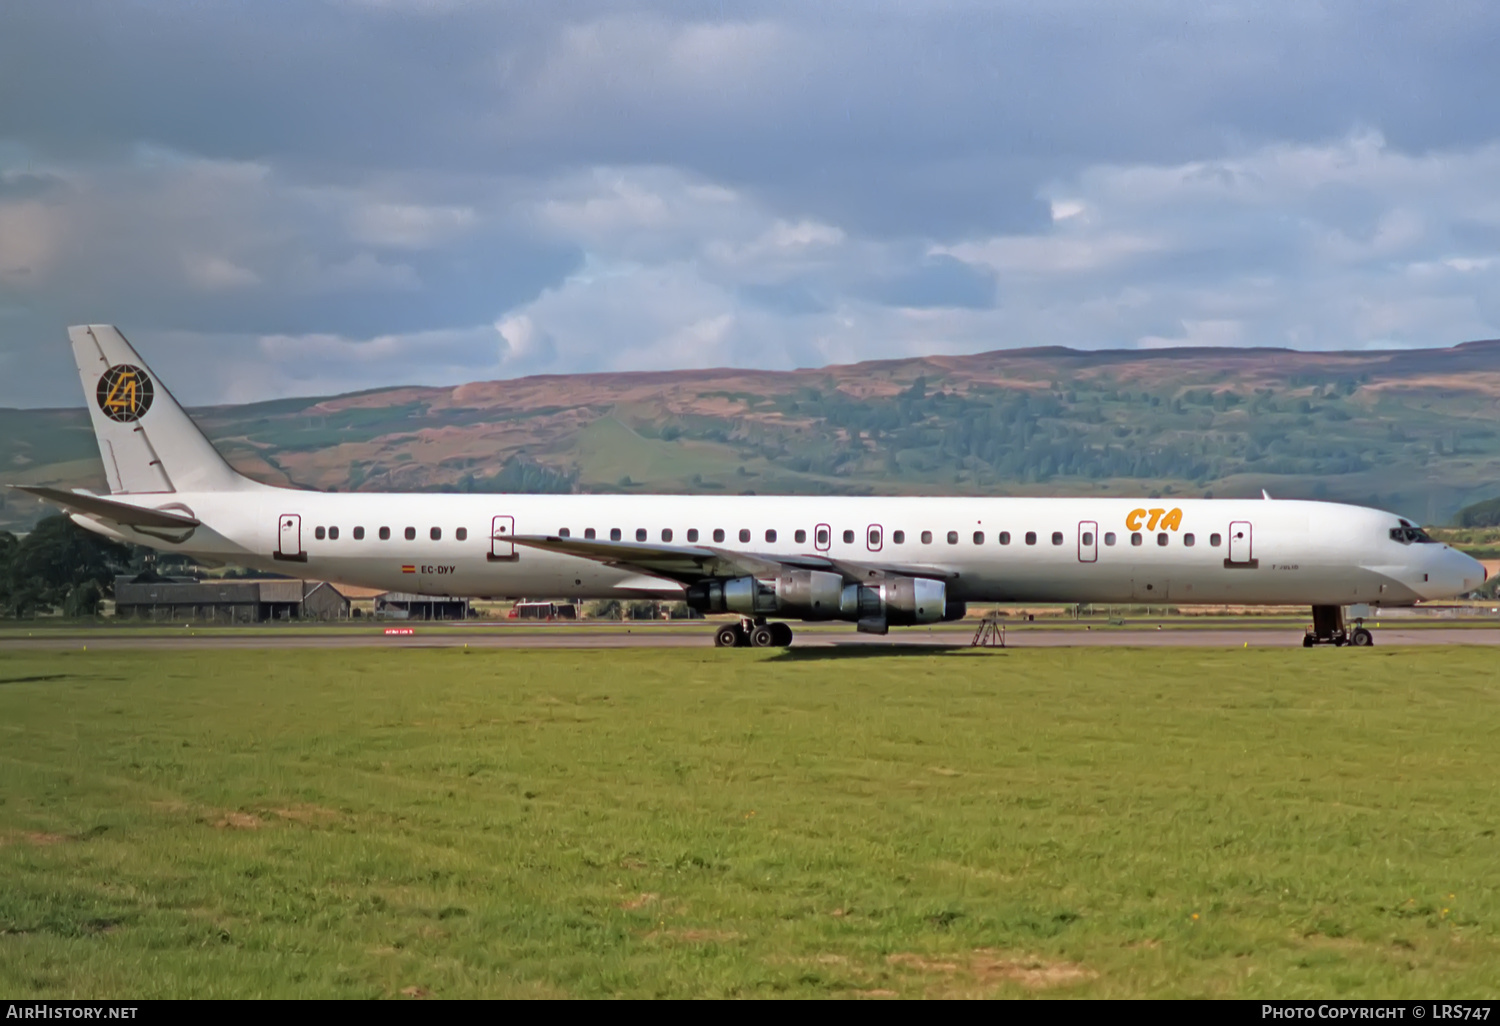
(727, 636)
(1362, 638)
(762, 637)
(783, 634)
(1307, 641)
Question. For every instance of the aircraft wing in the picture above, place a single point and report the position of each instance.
(111, 510)
(691, 563)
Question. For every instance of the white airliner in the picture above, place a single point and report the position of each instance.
(878, 562)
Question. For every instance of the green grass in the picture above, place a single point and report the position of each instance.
(682, 823)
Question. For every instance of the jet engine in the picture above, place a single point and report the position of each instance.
(805, 594)
(898, 602)
(816, 595)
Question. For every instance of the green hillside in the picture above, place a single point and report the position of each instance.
(1416, 431)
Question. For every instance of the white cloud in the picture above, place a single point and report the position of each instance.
(1198, 333)
(1053, 254)
(781, 242)
(409, 225)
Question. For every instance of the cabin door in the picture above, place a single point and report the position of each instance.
(1239, 543)
(1088, 541)
(289, 538)
(822, 537)
(502, 548)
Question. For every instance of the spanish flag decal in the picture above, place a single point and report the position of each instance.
(408, 569)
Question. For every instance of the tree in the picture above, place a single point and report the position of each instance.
(1480, 514)
(58, 564)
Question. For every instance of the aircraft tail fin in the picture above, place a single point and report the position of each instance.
(147, 441)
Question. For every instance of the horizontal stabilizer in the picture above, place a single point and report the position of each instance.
(110, 509)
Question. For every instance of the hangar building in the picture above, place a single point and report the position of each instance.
(149, 597)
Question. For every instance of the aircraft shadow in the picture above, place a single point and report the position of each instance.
(865, 651)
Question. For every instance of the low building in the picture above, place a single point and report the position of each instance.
(323, 601)
(405, 605)
(169, 599)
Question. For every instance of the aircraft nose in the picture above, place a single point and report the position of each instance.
(1473, 573)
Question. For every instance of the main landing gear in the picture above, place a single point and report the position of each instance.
(750, 633)
(1328, 628)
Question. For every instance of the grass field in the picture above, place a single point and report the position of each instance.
(868, 822)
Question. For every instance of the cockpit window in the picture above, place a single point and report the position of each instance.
(1409, 535)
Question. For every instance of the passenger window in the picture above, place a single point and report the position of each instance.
(718, 534)
(1135, 539)
(614, 534)
(1188, 540)
(744, 534)
(1109, 537)
(359, 534)
(319, 534)
(385, 534)
(666, 534)
(899, 537)
(952, 537)
(926, 537)
(1004, 537)
(1056, 537)
(333, 534)
(436, 534)
(874, 537)
(563, 532)
(588, 534)
(692, 534)
(462, 534)
(1030, 537)
(978, 537)
(1088, 537)
(411, 534)
(640, 534)
(848, 537)
(1214, 540)
(771, 535)
(1161, 539)
(822, 538)
(800, 537)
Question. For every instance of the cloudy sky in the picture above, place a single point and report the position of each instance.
(309, 197)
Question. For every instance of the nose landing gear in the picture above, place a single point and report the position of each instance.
(1328, 628)
(750, 633)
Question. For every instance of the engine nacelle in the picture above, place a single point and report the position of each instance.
(810, 594)
(896, 602)
(805, 594)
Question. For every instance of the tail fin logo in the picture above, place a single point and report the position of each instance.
(124, 393)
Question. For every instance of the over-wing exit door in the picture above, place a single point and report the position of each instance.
(502, 549)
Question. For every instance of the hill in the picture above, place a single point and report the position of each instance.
(1415, 431)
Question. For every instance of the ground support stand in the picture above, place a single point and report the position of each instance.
(991, 633)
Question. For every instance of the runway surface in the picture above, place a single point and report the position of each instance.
(700, 636)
